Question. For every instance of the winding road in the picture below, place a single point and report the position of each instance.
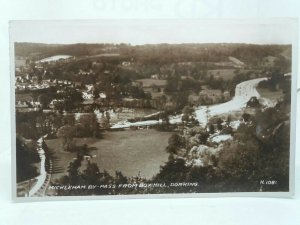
(43, 179)
(243, 92)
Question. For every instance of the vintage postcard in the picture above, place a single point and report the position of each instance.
(153, 108)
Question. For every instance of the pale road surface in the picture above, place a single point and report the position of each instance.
(243, 92)
(41, 179)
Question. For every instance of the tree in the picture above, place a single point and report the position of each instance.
(43, 124)
(228, 120)
(120, 178)
(89, 125)
(56, 121)
(107, 115)
(253, 102)
(27, 130)
(259, 151)
(246, 117)
(73, 171)
(164, 117)
(25, 158)
(172, 149)
(185, 118)
(219, 124)
(71, 98)
(104, 123)
(96, 92)
(66, 133)
(173, 171)
(68, 119)
(175, 143)
(44, 100)
(211, 128)
(172, 84)
(239, 162)
(187, 110)
(26, 124)
(176, 140)
(91, 174)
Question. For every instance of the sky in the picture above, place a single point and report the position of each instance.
(137, 32)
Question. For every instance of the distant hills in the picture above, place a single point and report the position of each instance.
(251, 54)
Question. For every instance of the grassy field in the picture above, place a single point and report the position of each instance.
(147, 87)
(226, 74)
(128, 151)
(155, 95)
(272, 95)
(129, 114)
(20, 62)
(24, 97)
(64, 158)
(123, 115)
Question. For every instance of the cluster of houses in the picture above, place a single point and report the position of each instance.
(82, 72)
(88, 93)
(159, 76)
(28, 82)
(26, 106)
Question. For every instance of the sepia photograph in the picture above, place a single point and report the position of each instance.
(152, 107)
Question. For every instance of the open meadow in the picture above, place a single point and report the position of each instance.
(129, 151)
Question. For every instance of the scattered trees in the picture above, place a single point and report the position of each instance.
(66, 133)
(26, 156)
(71, 97)
(88, 126)
(44, 100)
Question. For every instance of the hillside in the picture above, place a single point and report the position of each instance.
(250, 54)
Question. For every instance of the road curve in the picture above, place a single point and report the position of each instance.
(42, 178)
(243, 92)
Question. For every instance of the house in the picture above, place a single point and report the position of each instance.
(126, 63)
(21, 104)
(81, 72)
(288, 76)
(88, 102)
(155, 76)
(106, 72)
(35, 104)
(39, 67)
(55, 102)
(102, 95)
(77, 84)
(188, 77)
(67, 82)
